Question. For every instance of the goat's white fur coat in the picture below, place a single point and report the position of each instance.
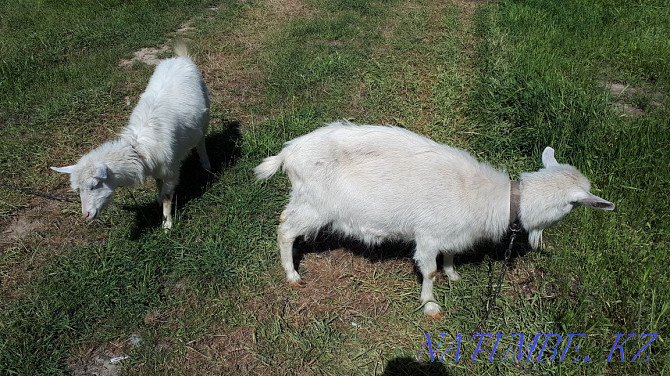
(379, 183)
(169, 120)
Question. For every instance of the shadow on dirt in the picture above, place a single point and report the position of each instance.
(328, 240)
(409, 367)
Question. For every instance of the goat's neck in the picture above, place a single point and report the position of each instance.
(125, 163)
(536, 207)
(490, 194)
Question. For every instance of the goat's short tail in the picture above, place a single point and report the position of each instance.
(181, 49)
(268, 167)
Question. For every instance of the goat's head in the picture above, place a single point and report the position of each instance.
(95, 184)
(551, 193)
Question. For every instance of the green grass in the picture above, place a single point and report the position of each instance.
(543, 71)
(60, 47)
(59, 65)
(210, 297)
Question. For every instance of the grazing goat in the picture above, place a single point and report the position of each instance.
(170, 119)
(376, 183)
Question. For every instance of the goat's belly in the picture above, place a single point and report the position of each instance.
(370, 234)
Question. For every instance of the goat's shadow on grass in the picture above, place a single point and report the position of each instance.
(409, 367)
(327, 240)
(223, 150)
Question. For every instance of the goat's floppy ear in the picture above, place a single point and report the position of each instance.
(102, 173)
(548, 159)
(64, 170)
(595, 202)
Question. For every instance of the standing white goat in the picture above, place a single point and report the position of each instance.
(379, 183)
(170, 119)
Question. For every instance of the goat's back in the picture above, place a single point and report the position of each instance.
(378, 153)
(172, 114)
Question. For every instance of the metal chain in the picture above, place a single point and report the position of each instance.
(30, 191)
(515, 229)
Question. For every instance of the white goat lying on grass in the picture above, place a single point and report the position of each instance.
(170, 119)
(378, 183)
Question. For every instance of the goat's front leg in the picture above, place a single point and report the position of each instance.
(166, 193)
(426, 261)
(535, 239)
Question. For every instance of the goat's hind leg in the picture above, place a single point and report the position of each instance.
(286, 236)
(293, 222)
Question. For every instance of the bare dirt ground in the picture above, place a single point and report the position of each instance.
(336, 285)
(632, 101)
(148, 55)
(103, 360)
(45, 229)
(154, 55)
(228, 353)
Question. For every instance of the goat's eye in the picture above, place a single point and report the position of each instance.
(96, 185)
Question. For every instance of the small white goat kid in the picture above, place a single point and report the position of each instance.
(170, 119)
(379, 183)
